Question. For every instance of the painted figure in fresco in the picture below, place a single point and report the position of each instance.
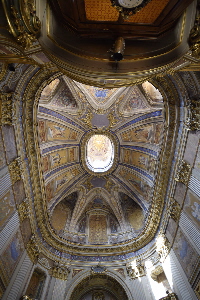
(113, 226)
(42, 131)
(126, 156)
(143, 160)
(65, 99)
(145, 133)
(73, 135)
(55, 159)
(56, 131)
(82, 225)
(71, 154)
(60, 182)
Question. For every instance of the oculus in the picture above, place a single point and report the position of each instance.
(98, 152)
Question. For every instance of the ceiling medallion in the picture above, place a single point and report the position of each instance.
(128, 8)
(99, 152)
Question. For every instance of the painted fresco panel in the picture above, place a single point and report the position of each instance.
(186, 254)
(58, 158)
(7, 208)
(143, 134)
(9, 142)
(192, 207)
(97, 229)
(12, 254)
(152, 92)
(2, 151)
(56, 131)
(138, 159)
(64, 99)
(57, 183)
(136, 100)
(101, 95)
(42, 131)
(147, 134)
(140, 185)
(64, 178)
(59, 217)
(49, 89)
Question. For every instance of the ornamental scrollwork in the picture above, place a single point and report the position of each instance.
(163, 246)
(112, 120)
(23, 22)
(88, 119)
(7, 108)
(15, 170)
(32, 249)
(193, 121)
(60, 272)
(136, 270)
(170, 296)
(175, 210)
(183, 173)
(23, 211)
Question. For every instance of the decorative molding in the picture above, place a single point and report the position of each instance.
(60, 272)
(23, 22)
(6, 108)
(163, 246)
(138, 270)
(112, 120)
(32, 249)
(183, 173)
(98, 270)
(15, 170)
(88, 119)
(23, 211)
(175, 210)
(193, 121)
(156, 272)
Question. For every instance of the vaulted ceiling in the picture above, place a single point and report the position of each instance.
(75, 91)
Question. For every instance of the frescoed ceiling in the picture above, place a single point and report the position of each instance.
(79, 199)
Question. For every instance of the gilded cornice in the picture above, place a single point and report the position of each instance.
(23, 22)
(31, 97)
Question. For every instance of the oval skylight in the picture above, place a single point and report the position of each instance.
(99, 153)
